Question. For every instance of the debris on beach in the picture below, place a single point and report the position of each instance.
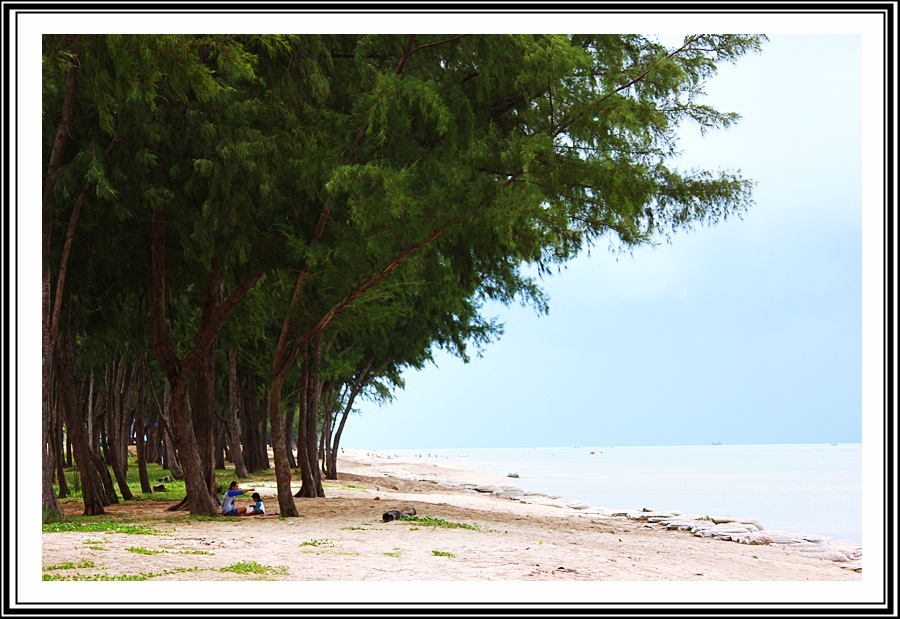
(395, 514)
(746, 531)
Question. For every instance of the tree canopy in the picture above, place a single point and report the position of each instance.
(343, 203)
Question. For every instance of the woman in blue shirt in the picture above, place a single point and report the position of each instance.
(228, 506)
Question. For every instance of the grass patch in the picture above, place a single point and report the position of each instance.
(441, 553)
(439, 522)
(70, 566)
(106, 577)
(362, 529)
(144, 551)
(98, 526)
(392, 554)
(252, 567)
(175, 489)
(148, 551)
(319, 543)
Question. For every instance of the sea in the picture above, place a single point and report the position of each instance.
(810, 489)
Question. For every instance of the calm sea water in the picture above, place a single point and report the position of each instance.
(813, 489)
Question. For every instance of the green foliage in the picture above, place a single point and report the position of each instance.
(448, 170)
(50, 517)
(252, 567)
(441, 553)
(144, 551)
(98, 526)
(119, 577)
(439, 522)
(148, 551)
(68, 565)
(318, 543)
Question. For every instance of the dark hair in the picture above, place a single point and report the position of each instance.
(255, 495)
(233, 484)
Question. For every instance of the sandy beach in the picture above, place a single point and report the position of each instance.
(505, 536)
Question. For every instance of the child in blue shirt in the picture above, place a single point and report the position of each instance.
(257, 508)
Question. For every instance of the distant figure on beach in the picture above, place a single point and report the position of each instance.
(257, 508)
(228, 506)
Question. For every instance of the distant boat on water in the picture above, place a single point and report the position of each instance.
(717, 442)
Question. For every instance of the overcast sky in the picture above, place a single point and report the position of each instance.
(746, 332)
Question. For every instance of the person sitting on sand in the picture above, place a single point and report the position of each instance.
(257, 508)
(228, 506)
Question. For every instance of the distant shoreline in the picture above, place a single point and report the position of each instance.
(445, 459)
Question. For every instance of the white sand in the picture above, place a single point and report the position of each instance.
(342, 538)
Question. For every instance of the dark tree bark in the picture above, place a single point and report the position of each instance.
(194, 452)
(57, 451)
(49, 310)
(309, 415)
(115, 404)
(92, 488)
(240, 469)
(139, 426)
(286, 503)
(288, 426)
(249, 424)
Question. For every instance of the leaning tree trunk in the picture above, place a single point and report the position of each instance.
(282, 467)
(163, 413)
(308, 452)
(302, 443)
(240, 469)
(140, 431)
(114, 421)
(315, 387)
(200, 499)
(289, 425)
(50, 312)
(57, 450)
(196, 459)
(92, 490)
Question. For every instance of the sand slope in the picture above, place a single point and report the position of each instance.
(343, 538)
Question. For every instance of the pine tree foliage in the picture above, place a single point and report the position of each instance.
(374, 189)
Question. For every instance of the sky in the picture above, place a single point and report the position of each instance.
(746, 332)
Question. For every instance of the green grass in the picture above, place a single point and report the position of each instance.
(97, 526)
(105, 577)
(175, 489)
(68, 565)
(439, 522)
(362, 529)
(441, 553)
(252, 567)
(318, 543)
(148, 551)
(144, 551)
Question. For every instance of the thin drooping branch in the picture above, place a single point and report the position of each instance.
(407, 52)
(357, 291)
(278, 364)
(59, 145)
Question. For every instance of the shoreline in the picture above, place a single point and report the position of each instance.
(471, 527)
(729, 528)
